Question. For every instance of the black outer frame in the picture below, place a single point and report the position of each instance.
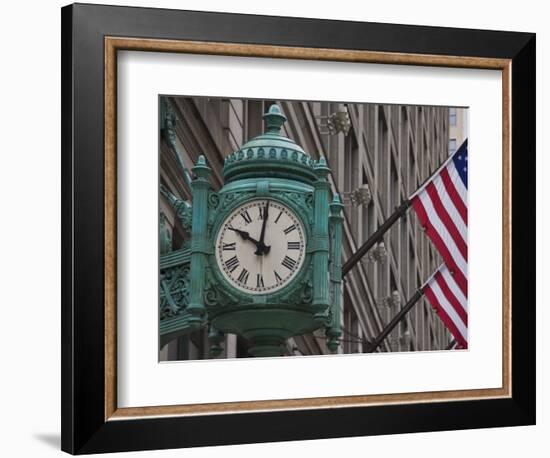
(84, 429)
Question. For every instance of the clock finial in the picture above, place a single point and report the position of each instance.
(274, 119)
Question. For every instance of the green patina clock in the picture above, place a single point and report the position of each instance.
(263, 261)
(270, 261)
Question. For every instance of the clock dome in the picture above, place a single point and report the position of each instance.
(271, 155)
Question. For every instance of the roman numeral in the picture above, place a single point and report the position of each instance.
(289, 229)
(243, 276)
(228, 246)
(232, 263)
(277, 277)
(246, 216)
(293, 245)
(289, 263)
(259, 281)
(260, 213)
(278, 216)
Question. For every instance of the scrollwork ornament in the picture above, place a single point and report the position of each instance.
(309, 199)
(174, 295)
(213, 200)
(186, 218)
(211, 297)
(307, 293)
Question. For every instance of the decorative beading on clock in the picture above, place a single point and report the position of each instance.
(270, 155)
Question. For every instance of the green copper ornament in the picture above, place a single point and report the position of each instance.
(264, 256)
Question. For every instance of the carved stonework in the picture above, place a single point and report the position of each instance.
(301, 293)
(232, 197)
(165, 235)
(215, 296)
(303, 200)
(170, 120)
(213, 201)
(185, 216)
(182, 208)
(174, 290)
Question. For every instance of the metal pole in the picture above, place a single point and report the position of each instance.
(376, 237)
(395, 320)
(452, 343)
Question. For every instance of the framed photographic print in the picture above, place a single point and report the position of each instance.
(282, 228)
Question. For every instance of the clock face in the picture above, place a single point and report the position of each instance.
(260, 247)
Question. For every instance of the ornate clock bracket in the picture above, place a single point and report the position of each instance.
(194, 292)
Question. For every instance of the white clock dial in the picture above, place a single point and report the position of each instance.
(259, 266)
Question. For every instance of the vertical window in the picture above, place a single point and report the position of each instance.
(354, 332)
(452, 116)
(254, 123)
(366, 213)
(394, 185)
(369, 131)
(350, 160)
(433, 342)
(372, 225)
(347, 326)
(351, 174)
(452, 146)
(382, 157)
(425, 156)
(394, 201)
(412, 268)
(405, 344)
(412, 169)
(392, 311)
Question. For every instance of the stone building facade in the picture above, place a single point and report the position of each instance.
(458, 128)
(390, 149)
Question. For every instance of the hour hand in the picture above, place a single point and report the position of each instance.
(244, 235)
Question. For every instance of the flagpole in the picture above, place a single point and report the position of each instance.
(397, 318)
(376, 237)
(451, 345)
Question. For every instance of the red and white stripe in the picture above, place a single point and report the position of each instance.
(449, 302)
(442, 208)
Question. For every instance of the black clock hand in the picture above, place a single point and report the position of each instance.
(245, 236)
(262, 249)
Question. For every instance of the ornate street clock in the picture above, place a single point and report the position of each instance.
(261, 246)
(264, 255)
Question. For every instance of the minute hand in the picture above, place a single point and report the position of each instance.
(262, 249)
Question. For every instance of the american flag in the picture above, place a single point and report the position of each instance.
(441, 205)
(450, 304)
